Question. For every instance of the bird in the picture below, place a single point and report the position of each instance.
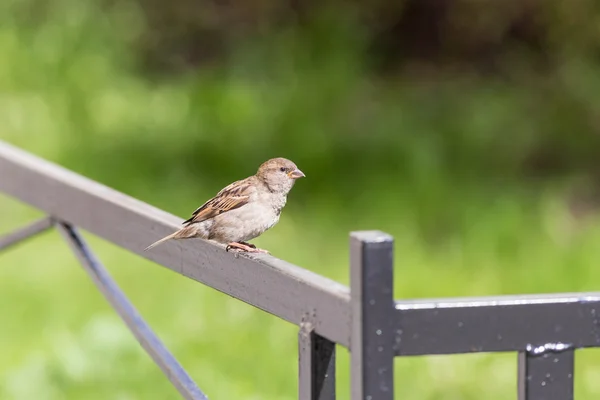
(243, 210)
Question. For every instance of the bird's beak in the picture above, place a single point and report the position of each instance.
(295, 174)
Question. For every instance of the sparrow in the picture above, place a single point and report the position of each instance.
(244, 209)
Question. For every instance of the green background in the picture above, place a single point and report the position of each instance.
(476, 149)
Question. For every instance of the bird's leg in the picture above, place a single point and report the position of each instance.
(238, 246)
(250, 248)
(255, 248)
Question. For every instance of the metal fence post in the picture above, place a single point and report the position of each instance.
(316, 365)
(372, 304)
(546, 372)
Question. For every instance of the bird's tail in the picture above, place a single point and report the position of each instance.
(184, 233)
(171, 236)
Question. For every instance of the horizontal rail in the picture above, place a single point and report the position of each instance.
(492, 324)
(140, 329)
(273, 285)
(25, 232)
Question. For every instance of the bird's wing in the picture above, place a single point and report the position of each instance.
(229, 198)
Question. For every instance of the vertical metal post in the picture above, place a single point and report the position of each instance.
(316, 365)
(546, 372)
(372, 302)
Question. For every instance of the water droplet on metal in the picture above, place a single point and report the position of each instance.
(460, 324)
(548, 348)
(380, 349)
(378, 332)
(543, 383)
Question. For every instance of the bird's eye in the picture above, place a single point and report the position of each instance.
(282, 169)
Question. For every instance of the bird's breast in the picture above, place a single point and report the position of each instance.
(247, 222)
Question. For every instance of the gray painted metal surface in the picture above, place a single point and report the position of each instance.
(263, 281)
(371, 296)
(546, 372)
(316, 365)
(507, 323)
(143, 333)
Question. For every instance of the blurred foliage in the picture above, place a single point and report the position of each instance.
(467, 129)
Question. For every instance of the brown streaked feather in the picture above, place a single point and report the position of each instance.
(229, 198)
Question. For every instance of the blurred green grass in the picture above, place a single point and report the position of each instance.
(436, 165)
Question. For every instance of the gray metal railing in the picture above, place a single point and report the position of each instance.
(545, 329)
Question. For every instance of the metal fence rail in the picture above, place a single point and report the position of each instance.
(545, 330)
(136, 324)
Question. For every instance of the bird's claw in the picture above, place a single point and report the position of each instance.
(246, 247)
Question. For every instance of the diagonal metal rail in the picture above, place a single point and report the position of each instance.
(25, 232)
(140, 329)
(268, 283)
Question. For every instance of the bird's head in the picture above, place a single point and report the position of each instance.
(279, 174)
